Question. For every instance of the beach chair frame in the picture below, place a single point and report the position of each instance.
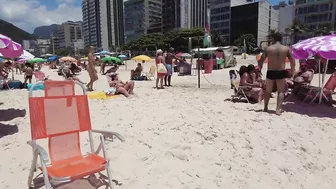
(40, 152)
(238, 90)
(151, 73)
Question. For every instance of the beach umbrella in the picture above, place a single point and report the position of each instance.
(37, 60)
(9, 48)
(26, 55)
(110, 59)
(122, 56)
(186, 55)
(322, 46)
(179, 54)
(67, 59)
(22, 61)
(53, 58)
(142, 58)
(104, 52)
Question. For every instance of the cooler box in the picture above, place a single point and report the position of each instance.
(14, 84)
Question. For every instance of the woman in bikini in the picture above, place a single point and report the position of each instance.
(121, 87)
(255, 91)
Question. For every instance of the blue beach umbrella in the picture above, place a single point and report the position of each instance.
(122, 56)
(104, 52)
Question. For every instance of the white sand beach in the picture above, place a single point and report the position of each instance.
(183, 137)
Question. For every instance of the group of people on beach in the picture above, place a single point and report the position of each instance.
(277, 77)
(166, 61)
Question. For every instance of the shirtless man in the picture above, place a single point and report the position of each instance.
(91, 69)
(276, 72)
(169, 61)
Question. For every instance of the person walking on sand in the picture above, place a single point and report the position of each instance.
(158, 60)
(91, 69)
(276, 72)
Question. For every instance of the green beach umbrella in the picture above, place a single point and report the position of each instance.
(110, 59)
(37, 60)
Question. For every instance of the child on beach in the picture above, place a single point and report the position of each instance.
(28, 75)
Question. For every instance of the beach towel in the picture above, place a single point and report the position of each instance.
(100, 95)
(169, 70)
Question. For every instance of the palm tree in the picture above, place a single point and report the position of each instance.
(296, 29)
(322, 29)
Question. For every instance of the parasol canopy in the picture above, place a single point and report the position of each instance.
(324, 46)
(67, 59)
(142, 58)
(186, 55)
(110, 59)
(9, 48)
(122, 56)
(37, 60)
(26, 55)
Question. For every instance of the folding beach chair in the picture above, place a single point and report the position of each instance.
(151, 73)
(328, 90)
(60, 116)
(39, 76)
(238, 90)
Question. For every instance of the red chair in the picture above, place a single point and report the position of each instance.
(60, 116)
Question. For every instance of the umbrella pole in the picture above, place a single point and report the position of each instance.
(13, 69)
(325, 72)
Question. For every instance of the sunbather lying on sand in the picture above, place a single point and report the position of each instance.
(123, 88)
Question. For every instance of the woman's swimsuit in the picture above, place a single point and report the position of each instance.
(276, 74)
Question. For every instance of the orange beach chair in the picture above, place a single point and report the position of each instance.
(60, 116)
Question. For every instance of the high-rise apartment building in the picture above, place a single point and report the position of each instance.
(253, 18)
(142, 17)
(68, 33)
(171, 14)
(315, 12)
(103, 23)
(193, 13)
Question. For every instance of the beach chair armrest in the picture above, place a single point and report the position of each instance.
(109, 134)
(40, 150)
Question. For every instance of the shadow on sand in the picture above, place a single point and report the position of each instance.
(6, 129)
(9, 114)
(91, 182)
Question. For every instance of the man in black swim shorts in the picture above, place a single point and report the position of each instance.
(277, 55)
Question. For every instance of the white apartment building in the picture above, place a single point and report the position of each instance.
(315, 12)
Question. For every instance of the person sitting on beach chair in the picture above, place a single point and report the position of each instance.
(113, 69)
(136, 74)
(121, 87)
(254, 90)
(302, 78)
(69, 76)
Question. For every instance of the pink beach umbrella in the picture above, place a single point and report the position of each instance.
(22, 61)
(9, 48)
(323, 46)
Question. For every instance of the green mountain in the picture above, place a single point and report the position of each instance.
(15, 33)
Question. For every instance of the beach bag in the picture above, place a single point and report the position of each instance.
(161, 68)
(111, 91)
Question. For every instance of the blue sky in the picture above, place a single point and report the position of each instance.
(29, 14)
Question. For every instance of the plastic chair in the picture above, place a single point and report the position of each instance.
(238, 90)
(151, 73)
(60, 116)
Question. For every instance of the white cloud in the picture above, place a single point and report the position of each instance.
(28, 14)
